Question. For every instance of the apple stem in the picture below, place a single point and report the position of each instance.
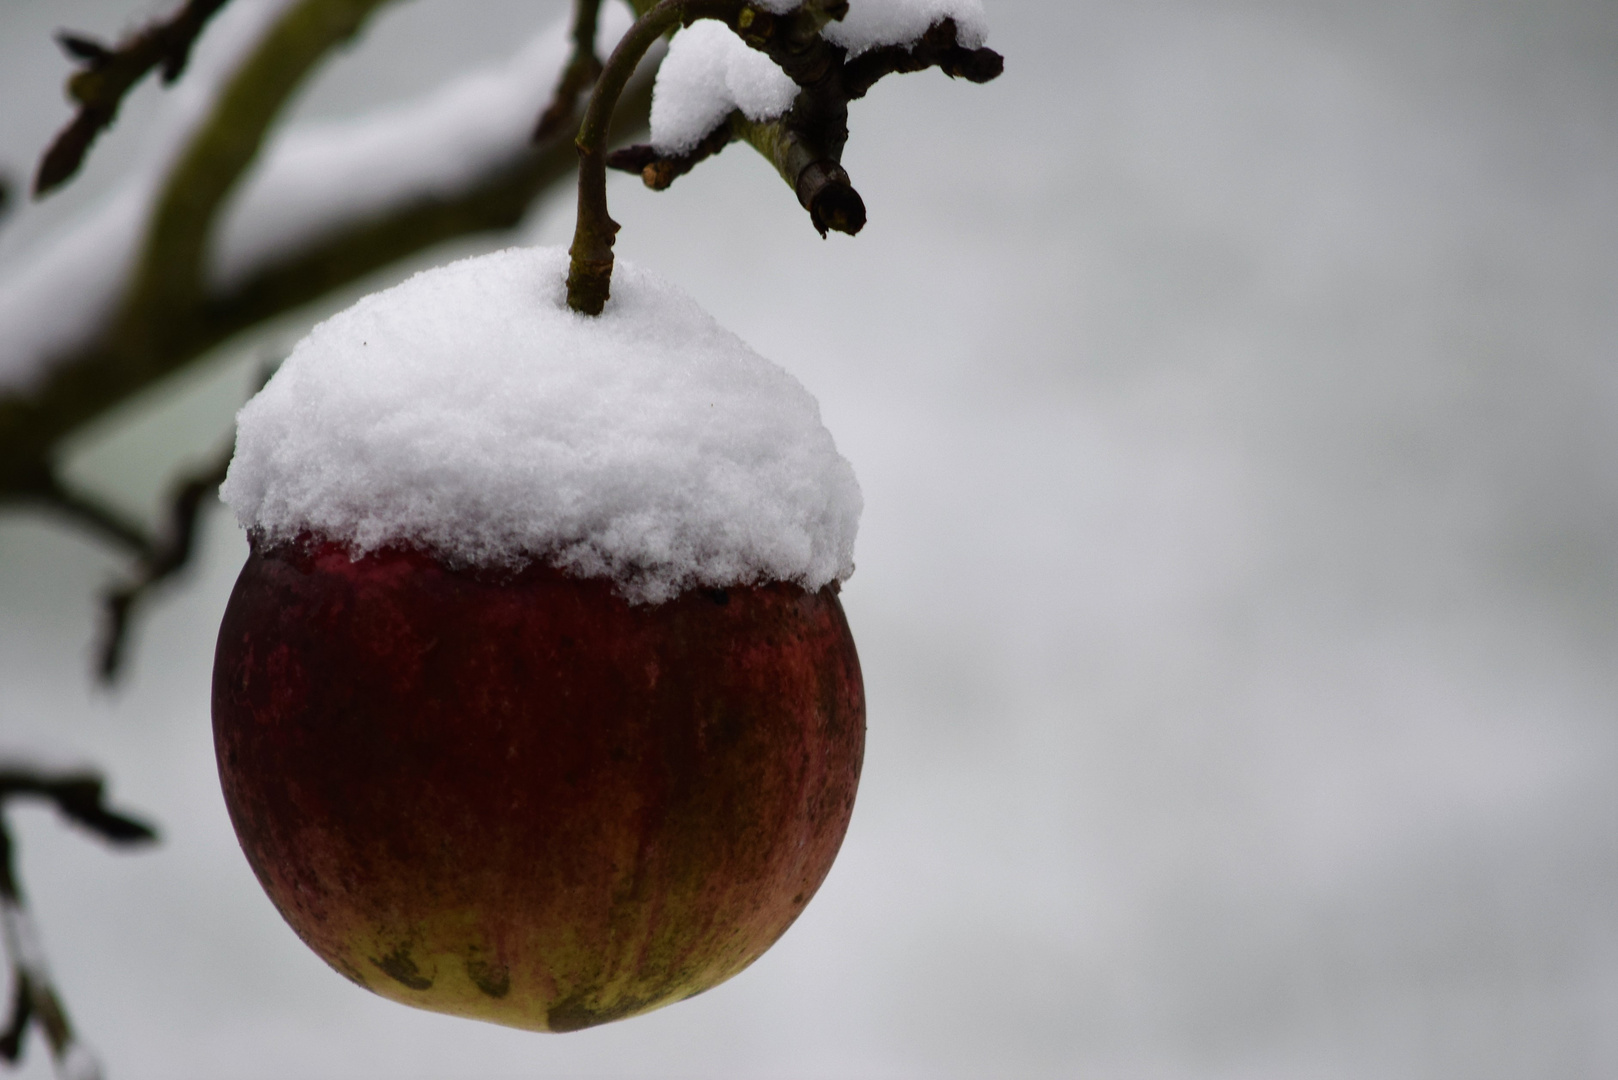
(590, 272)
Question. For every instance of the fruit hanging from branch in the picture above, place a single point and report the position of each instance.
(534, 701)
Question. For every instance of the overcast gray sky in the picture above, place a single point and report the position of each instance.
(1232, 387)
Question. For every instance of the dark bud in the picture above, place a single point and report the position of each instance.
(973, 65)
(79, 798)
(80, 47)
(839, 208)
(631, 159)
(173, 65)
(826, 192)
(115, 633)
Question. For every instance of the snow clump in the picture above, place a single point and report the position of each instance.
(708, 73)
(872, 24)
(468, 412)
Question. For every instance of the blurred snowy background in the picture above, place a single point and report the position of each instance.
(1233, 390)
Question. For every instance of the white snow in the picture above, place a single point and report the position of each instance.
(871, 24)
(78, 1063)
(470, 413)
(708, 73)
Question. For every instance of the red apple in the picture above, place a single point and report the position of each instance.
(519, 797)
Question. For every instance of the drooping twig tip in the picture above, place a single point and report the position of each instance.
(84, 48)
(168, 554)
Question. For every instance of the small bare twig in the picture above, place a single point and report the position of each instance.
(78, 796)
(37, 482)
(108, 74)
(579, 75)
(659, 171)
(170, 554)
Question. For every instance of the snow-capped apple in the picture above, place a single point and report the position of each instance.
(534, 701)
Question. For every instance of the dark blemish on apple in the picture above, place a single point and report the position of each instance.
(718, 596)
(350, 972)
(572, 1014)
(400, 966)
(492, 979)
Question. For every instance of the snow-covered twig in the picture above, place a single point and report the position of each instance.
(802, 134)
(831, 65)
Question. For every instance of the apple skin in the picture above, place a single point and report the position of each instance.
(520, 798)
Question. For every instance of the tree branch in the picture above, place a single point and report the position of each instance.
(79, 796)
(109, 74)
(792, 40)
(160, 323)
(163, 559)
(806, 143)
(169, 276)
(580, 74)
(46, 490)
(160, 329)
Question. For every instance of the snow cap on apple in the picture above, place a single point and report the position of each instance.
(534, 701)
(468, 413)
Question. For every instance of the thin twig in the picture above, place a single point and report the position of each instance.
(167, 557)
(580, 74)
(79, 796)
(108, 74)
(45, 489)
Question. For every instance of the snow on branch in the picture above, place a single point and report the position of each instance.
(783, 80)
(147, 282)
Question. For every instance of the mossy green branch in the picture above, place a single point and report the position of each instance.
(169, 275)
(143, 343)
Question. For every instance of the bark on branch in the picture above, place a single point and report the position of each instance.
(806, 143)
